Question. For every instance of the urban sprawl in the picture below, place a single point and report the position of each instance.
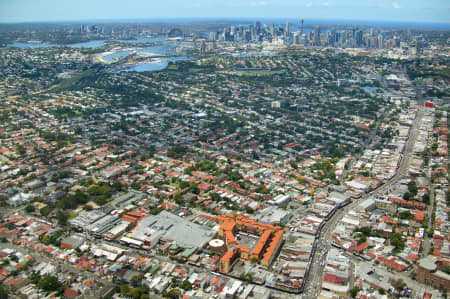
(224, 161)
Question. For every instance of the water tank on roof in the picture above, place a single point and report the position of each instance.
(216, 243)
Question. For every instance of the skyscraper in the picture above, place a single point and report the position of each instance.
(252, 33)
(359, 38)
(297, 38)
(317, 36)
(380, 41)
(332, 39)
(203, 47)
(258, 27)
(310, 37)
(288, 28)
(418, 47)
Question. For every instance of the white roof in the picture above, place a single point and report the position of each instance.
(367, 203)
(109, 255)
(131, 241)
(350, 221)
(356, 185)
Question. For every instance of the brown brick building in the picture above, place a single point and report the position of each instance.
(428, 273)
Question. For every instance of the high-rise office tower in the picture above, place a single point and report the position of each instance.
(310, 37)
(288, 28)
(380, 42)
(419, 47)
(252, 33)
(353, 37)
(317, 36)
(359, 38)
(301, 26)
(297, 38)
(332, 39)
(203, 47)
(258, 27)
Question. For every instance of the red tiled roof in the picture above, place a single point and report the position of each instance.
(262, 242)
(408, 203)
(227, 256)
(362, 247)
(391, 263)
(13, 281)
(332, 279)
(70, 293)
(412, 257)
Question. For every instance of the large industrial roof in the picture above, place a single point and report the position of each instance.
(174, 228)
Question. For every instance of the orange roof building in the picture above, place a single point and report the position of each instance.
(264, 251)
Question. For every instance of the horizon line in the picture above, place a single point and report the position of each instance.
(171, 19)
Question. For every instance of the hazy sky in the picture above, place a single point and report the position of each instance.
(369, 10)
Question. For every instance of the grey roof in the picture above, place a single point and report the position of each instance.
(87, 218)
(104, 224)
(428, 263)
(271, 215)
(75, 240)
(367, 203)
(174, 228)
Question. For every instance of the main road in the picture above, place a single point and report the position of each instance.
(313, 284)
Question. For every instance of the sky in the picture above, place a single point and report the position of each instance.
(419, 11)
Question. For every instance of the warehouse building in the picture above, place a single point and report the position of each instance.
(171, 227)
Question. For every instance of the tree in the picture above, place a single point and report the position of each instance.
(362, 238)
(445, 269)
(293, 165)
(354, 292)
(195, 189)
(408, 196)
(186, 285)
(29, 209)
(173, 294)
(3, 293)
(49, 283)
(20, 150)
(62, 217)
(136, 280)
(397, 242)
(249, 210)
(124, 289)
(412, 188)
(405, 215)
(183, 184)
(45, 211)
(176, 151)
(426, 198)
(366, 230)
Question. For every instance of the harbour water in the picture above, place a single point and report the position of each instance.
(166, 49)
(117, 55)
(89, 44)
(154, 66)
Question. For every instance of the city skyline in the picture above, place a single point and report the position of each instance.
(436, 11)
(224, 149)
